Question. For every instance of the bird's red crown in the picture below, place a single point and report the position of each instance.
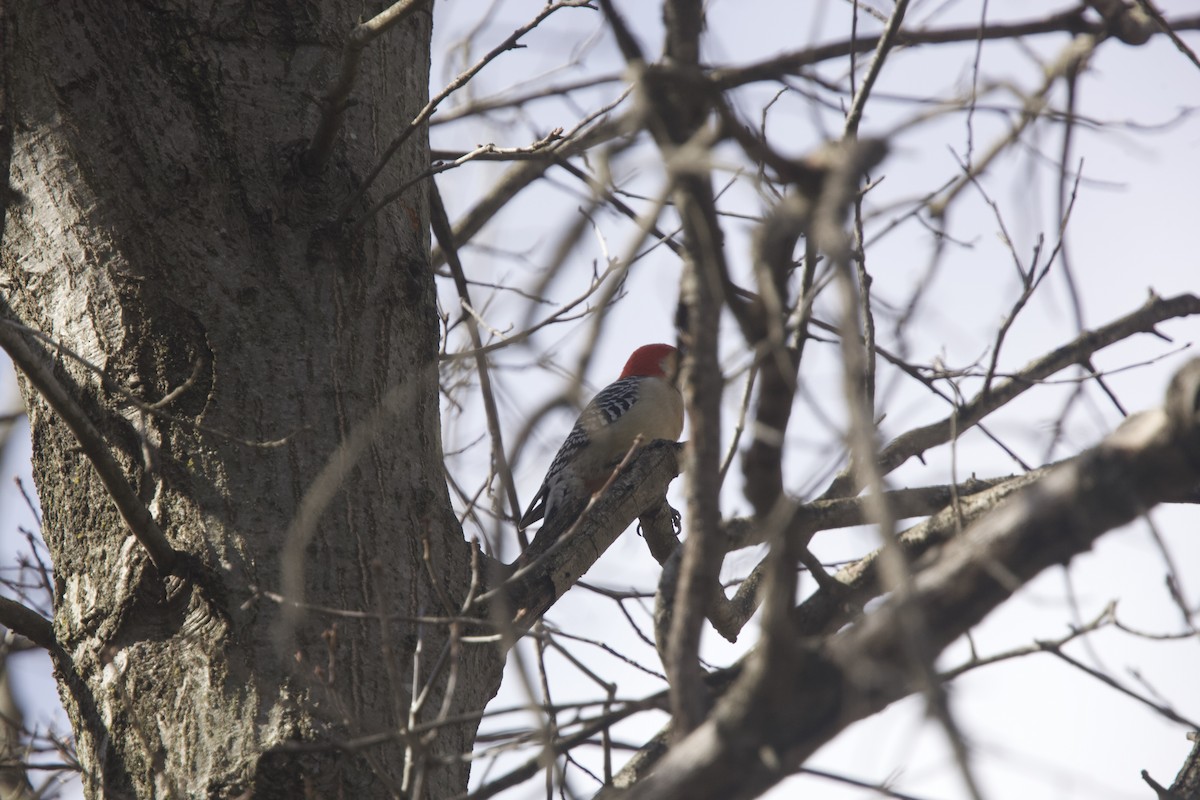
(650, 360)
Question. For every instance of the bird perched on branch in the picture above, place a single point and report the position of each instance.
(643, 402)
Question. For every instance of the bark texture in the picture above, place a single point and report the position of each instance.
(164, 232)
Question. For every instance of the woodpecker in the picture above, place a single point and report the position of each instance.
(644, 402)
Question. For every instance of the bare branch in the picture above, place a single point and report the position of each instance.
(917, 441)
(1168, 29)
(675, 117)
(860, 671)
(1187, 783)
(1069, 21)
(510, 43)
(440, 223)
(888, 38)
(34, 362)
(1070, 62)
(28, 623)
(536, 586)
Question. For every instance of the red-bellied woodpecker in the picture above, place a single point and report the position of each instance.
(644, 402)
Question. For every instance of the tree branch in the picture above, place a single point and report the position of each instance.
(918, 440)
(1152, 457)
(826, 611)
(440, 223)
(459, 81)
(830, 608)
(1069, 21)
(1186, 785)
(25, 621)
(536, 586)
(33, 361)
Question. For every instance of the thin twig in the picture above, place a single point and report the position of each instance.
(461, 80)
(440, 223)
(918, 440)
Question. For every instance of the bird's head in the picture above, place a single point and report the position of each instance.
(653, 361)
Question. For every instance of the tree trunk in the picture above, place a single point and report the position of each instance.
(164, 233)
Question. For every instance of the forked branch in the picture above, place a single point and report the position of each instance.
(1153, 457)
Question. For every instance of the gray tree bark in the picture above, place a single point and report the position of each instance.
(162, 230)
